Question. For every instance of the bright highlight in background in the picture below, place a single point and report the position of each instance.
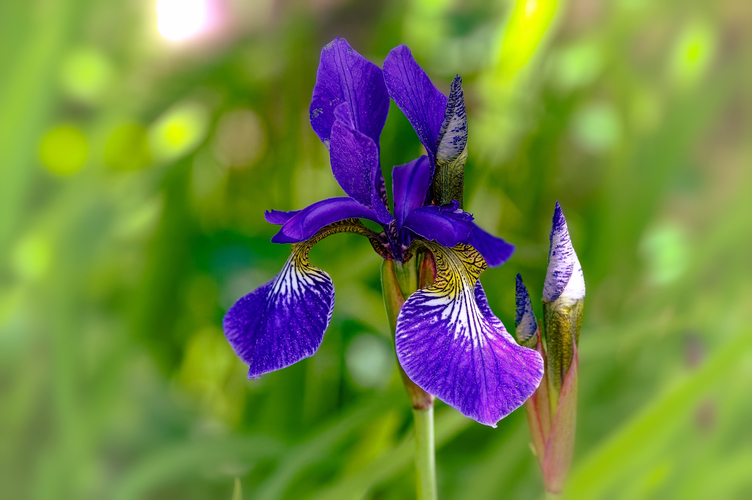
(180, 19)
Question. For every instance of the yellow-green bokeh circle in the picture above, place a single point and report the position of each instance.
(64, 150)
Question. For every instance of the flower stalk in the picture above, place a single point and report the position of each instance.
(425, 461)
(396, 282)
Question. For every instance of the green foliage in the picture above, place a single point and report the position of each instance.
(135, 172)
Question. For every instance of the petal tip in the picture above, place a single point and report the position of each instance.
(564, 276)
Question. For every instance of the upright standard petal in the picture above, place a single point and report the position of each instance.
(410, 184)
(495, 250)
(305, 223)
(283, 321)
(450, 343)
(564, 274)
(355, 164)
(344, 76)
(524, 318)
(416, 96)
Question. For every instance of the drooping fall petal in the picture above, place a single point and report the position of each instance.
(451, 344)
(283, 321)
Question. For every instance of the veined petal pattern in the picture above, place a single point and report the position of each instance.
(283, 321)
(450, 343)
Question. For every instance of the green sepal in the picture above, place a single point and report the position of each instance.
(538, 410)
(560, 446)
(562, 319)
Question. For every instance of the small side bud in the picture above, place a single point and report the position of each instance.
(526, 326)
(451, 150)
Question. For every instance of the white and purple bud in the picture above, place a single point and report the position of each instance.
(451, 149)
(563, 299)
(564, 274)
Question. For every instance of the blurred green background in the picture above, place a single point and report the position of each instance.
(134, 171)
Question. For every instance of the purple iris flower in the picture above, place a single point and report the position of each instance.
(447, 340)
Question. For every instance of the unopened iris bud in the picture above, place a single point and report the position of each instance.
(526, 326)
(552, 411)
(563, 298)
(451, 149)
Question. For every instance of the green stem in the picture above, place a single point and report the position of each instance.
(399, 281)
(425, 461)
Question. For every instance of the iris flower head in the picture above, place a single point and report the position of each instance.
(448, 341)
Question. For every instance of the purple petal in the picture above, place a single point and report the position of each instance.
(416, 96)
(278, 216)
(344, 76)
(450, 343)
(524, 318)
(355, 164)
(564, 274)
(305, 223)
(283, 321)
(495, 250)
(410, 183)
(446, 225)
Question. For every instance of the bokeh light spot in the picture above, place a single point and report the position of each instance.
(85, 74)
(180, 19)
(178, 131)
(597, 127)
(693, 52)
(531, 6)
(577, 65)
(666, 250)
(32, 256)
(127, 148)
(240, 138)
(369, 361)
(64, 150)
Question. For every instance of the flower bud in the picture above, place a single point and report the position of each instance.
(563, 298)
(526, 326)
(552, 411)
(451, 150)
